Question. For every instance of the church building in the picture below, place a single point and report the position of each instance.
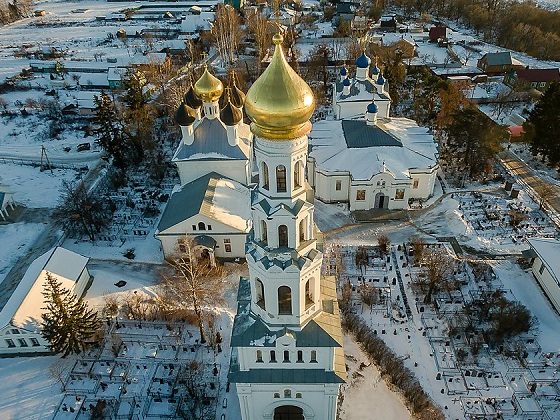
(287, 359)
(365, 157)
(213, 159)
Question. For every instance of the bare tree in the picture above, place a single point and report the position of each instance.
(384, 244)
(226, 32)
(368, 295)
(257, 25)
(436, 273)
(418, 246)
(59, 371)
(191, 280)
(546, 192)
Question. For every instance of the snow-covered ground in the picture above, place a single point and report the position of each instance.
(16, 239)
(366, 392)
(34, 188)
(27, 391)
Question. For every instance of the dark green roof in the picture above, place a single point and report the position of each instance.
(284, 376)
(358, 134)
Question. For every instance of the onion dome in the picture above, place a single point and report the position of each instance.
(375, 70)
(237, 95)
(343, 71)
(191, 100)
(230, 114)
(346, 82)
(363, 61)
(372, 108)
(208, 88)
(280, 103)
(183, 115)
(380, 80)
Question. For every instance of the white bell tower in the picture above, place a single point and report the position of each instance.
(287, 356)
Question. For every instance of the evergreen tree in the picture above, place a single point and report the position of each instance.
(542, 127)
(472, 141)
(109, 130)
(68, 323)
(139, 114)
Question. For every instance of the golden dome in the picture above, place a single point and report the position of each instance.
(208, 88)
(279, 103)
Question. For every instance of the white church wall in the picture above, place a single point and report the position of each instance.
(326, 184)
(190, 170)
(356, 109)
(424, 188)
(258, 401)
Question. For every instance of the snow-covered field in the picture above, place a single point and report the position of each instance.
(26, 389)
(16, 239)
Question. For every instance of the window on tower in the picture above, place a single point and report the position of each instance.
(259, 356)
(265, 181)
(281, 178)
(308, 294)
(282, 236)
(286, 356)
(300, 356)
(302, 230)
(260, 293)
(297, 175)
(201, 226)
(313, 356)
(284, 300)
(272, 356)
(264, 232)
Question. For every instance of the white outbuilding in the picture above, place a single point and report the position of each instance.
(545, 256)
(21, 316)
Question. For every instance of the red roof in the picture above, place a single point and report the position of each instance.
(516, 130)
(539, 75)
(437, 32)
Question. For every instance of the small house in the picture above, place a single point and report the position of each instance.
(539, 79)
(499, 63)
(438, 33)
(21, 317)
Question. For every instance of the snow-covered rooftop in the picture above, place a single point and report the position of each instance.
(548, 251)
(413, 148)
(25, 306)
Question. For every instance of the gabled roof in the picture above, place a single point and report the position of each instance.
(548, 251)
(500, 59)
(539, 75)
(210, 143)
(358, 134)
(212, 195)
(24, 307)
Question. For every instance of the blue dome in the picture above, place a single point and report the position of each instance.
(372, 108)
(380, 80)
(346, 82)
(363, 61)
(375, 70)
(343, 71)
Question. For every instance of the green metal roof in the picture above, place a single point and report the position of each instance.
(359, 134)
(284, 376)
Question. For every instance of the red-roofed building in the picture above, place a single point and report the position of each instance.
(532, 78)
(438, 32)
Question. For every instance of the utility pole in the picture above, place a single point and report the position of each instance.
(45, 159)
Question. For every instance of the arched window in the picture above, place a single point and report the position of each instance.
(280, 178)
(272, 356)
(259, 356)
(300, 356)
(286, 356)
(309, 293)
(302, 228)
(297, 175)
(313, 356)
(260, 293)
(284, 300)
(264, 232)
(282, 235)
(265, 182)
(287, 393)
(201, 226)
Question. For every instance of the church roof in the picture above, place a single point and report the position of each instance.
(211, 142)
(351, 146)
(360, 90)
(212, 195)
(284, 376)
